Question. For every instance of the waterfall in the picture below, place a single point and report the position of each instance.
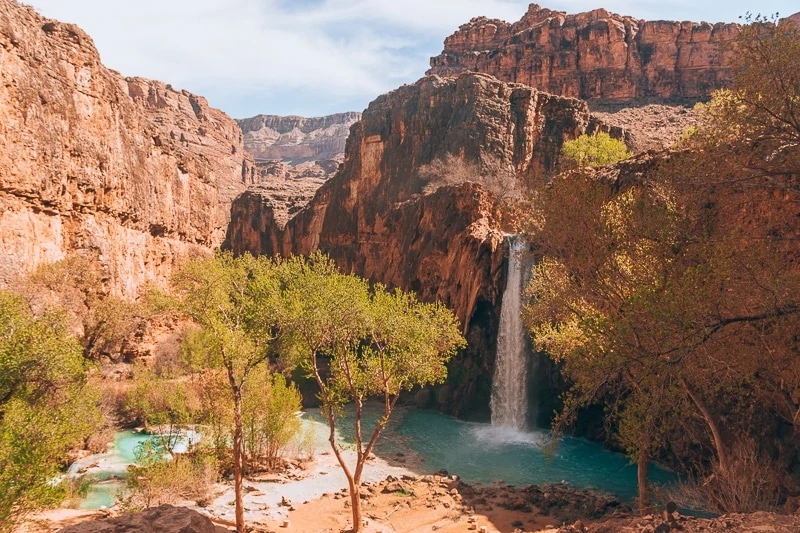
(509, 401)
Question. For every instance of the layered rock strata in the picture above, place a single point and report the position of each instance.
(596, 55)
(126, 169)
(298, 147)
(373, 219)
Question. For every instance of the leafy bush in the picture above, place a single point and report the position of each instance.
(46, 406)
(156, 479)
(269, 405)
(269, 415)
(162, 403)
(595, 150)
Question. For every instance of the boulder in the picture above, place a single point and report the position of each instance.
(163, 519)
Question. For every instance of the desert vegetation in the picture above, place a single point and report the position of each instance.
(663, 306)
(248, 321)
(47, 407)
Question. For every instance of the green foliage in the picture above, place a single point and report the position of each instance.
(233, 300)
(269, 421)
(46, 407)
(158, 479)
(376, 343)
(163, 404)
(670, 295)
(379, 342)
(75, 285)
(595, 150)
(269, 414)
(755, 124)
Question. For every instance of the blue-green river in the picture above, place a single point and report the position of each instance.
(476, 452)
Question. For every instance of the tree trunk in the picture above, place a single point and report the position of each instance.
(237, 459)
(355, 503)
(716, 433)
(643, 476)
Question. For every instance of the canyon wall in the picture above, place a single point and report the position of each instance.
(373, 218)
(595, 56)
(126, 169)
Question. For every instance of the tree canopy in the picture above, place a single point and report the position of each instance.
(669, 289)
(358, 342)
(46, 406)
(233, 301)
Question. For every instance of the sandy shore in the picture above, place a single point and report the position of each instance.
(395, 498)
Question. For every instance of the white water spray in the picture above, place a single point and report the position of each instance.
(509, 387)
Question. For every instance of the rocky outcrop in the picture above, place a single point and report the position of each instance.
(126, 169)
(163, 519)
(651, 126)
(373, 219)
(596, 55)
(308, 147)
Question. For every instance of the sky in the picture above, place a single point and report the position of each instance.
(315, 57)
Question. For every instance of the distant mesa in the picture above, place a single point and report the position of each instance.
(297, 147)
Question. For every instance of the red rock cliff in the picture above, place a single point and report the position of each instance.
(595, 56)
(373, 220)
(129, 169)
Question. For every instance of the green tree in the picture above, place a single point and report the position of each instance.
(233, 301)
(161, 403)
(46, 406)
(753, 128)
(593, 297)
(270, 417)
(269, 409)
(376, 343)
(669, 287)
(595, 150)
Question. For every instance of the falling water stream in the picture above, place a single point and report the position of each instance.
(509, 400)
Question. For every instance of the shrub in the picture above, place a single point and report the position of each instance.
(156, 479)
(594, 150)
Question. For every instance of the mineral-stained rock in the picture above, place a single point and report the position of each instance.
(373, 219)
(163, 519)
(127, 169)
(594, 55)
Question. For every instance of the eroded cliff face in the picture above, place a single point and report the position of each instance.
(596, 55)
(127, 169)
(373, 219)
(293, 147)
(297, 138)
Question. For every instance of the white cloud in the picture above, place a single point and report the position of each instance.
(304, 56)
